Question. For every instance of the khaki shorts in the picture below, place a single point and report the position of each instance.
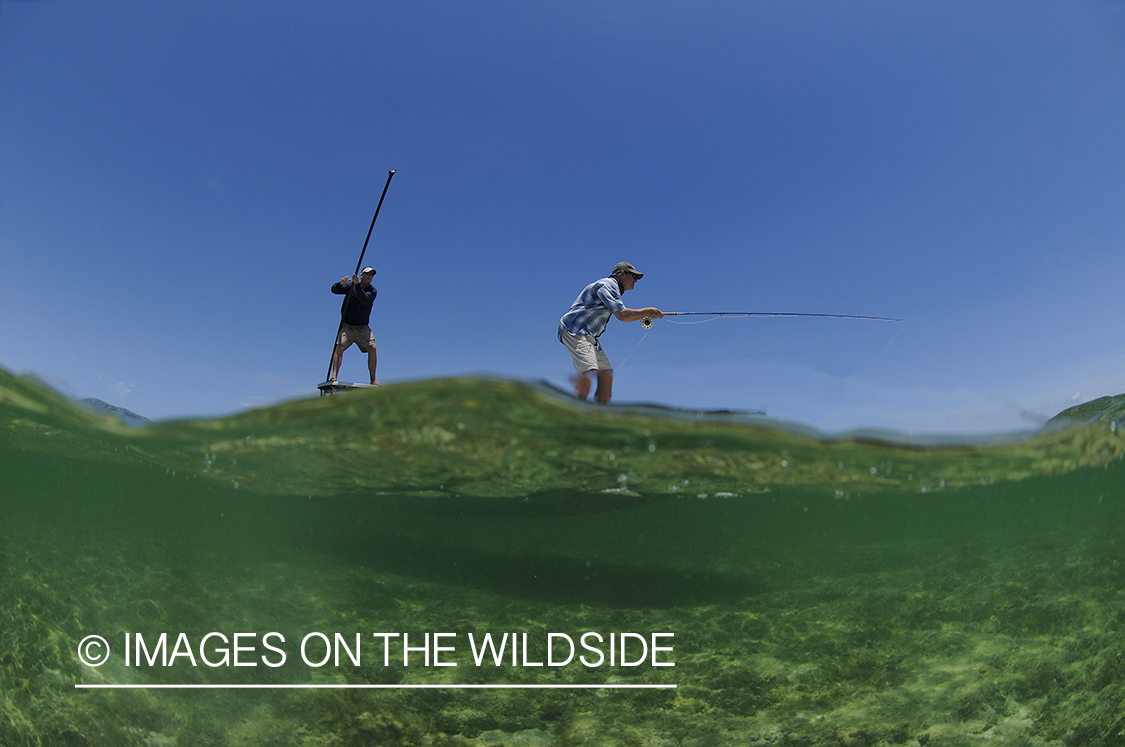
(361, 336)
(586, 352)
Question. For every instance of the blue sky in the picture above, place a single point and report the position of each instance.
(180, 184)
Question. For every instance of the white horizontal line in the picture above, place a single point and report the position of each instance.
(375, 687)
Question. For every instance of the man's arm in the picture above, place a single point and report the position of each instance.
(632, 315)
(341, 288)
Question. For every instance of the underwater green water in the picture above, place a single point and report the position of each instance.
(816, 591)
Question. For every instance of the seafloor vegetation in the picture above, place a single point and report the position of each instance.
(994, 642)
(821, 592)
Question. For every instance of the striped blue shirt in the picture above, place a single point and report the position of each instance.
(590, 312)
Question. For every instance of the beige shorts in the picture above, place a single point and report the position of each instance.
(361, 336)
(586, 352)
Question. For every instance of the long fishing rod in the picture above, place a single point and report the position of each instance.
(359, 264)
(647, 322)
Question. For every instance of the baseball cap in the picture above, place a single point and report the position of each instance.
(626, 267)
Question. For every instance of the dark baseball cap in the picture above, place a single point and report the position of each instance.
(626, 267)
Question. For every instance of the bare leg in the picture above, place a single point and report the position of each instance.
(372, 360)
(605, 386)
(337, 359)
(582, 384)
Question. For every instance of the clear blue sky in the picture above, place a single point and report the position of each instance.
(180, 184)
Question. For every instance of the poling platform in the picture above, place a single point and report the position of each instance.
(335, 387)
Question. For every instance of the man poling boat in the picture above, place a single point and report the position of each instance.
(355, 312)
(647, 321)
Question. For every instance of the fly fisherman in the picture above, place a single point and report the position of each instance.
(359, 295)
(580, 328)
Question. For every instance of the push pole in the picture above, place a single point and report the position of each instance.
(358, 265)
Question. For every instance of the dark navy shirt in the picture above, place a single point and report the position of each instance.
(356, 308)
